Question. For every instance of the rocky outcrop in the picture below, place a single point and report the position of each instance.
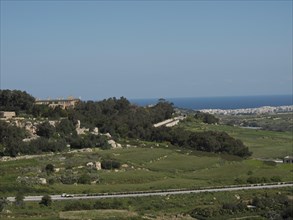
(80, 130)
(114, 144)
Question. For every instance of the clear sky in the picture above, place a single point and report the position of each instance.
(146, 49)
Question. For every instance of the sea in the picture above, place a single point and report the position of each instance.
(229, 102)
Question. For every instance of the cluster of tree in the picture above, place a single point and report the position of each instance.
(15, 100)
(65, 128)
(267, 206)
(280, 205)
(44, 111)
(120, 118)
(10, 138)
(52, 139)
(89, 140)
(210, 141)
(206, 117)
(11, 143)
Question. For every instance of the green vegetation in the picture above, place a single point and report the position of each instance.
(142, 168)
(263, 144)
(99, 214)
(197, 153)
(121, 120)
(206, 118)
(258, 204)
(210, 141)
(15, 100)
(270, 122)
(46, 200)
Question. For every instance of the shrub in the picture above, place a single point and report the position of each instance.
(45, 130)
(46, 200)
(3, 203)
(77, 205)
(276, 179)
(110, 164)
(19, 199)
(49, 168)
(84, 179)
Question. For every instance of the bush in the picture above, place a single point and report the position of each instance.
(68, 178)
(108, 205)
(3, 203)
(45, 130)
(77, 205)
(84, 179)
(46, 200)
(110, 164)
(49, 168)
(276, 179)
(19, 199)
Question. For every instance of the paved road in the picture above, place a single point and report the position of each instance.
(139, 194)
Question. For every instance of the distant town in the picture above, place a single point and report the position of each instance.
(260, 110)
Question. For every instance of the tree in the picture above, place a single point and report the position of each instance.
(46, 200)
(11, 139)
(19, 199)
(49, 168)
(3, 203)
(84, 179)
(65, 127)
(45, 130)
(16, 100)
(206, 117)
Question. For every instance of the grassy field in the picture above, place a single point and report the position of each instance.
(149, 166)
(98, 214)
(155, 207)
(263, 144)
(271, 122)
(144, 169)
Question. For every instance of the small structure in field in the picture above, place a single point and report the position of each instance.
(288, 159)
(7, 115)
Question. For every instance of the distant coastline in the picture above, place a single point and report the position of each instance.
(260, 110)
(223, 103)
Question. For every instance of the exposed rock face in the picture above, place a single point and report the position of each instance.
(124, 165)
(95, 131)
(90, 164)
(114, 144)
(94, 165)
(42, 181)
(80, 130)
(34, 137)
(98, 165)
(108, 135)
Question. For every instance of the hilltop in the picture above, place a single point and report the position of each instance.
(52, 128)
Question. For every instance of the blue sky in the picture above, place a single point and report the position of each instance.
(146, 49)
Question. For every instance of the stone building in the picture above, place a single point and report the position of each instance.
(70, 102)
(7, 115)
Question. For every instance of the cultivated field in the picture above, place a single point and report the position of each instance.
(150, 166)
